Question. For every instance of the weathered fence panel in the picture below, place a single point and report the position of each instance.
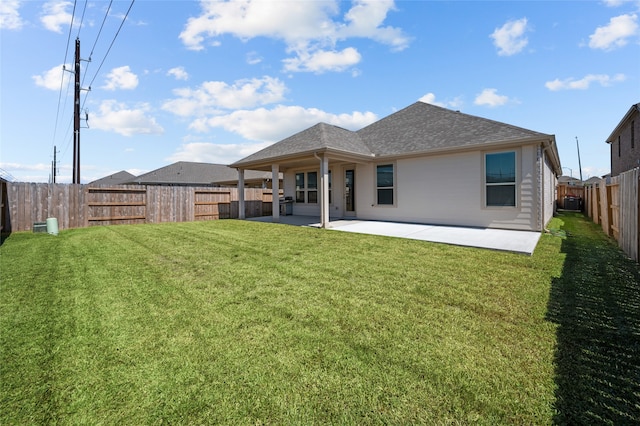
(123, 205)
(629, 204)
(4, 207)
(613, 196)
(77, 206)
(615, 205)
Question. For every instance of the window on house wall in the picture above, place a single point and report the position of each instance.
(619, 147)
(500, 179)
(312, 187)
(384, 184)
(307, 187)
(300, 188)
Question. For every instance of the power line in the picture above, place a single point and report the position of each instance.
(7, 176)
(106, 15)
(82, 18)
(64, 64)
(111, 45)
(89, 60)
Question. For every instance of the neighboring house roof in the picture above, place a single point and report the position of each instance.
(418, 128)
(568, 179)
(190, 173)
(119, 178)
(592, 180)
(633, 110)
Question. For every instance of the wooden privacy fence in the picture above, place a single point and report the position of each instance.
(614, 204)
(78, 206)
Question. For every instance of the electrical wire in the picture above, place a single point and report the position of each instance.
(106, 15)
(82, 18)
(64, 64)
(111, 45)
(90, 56)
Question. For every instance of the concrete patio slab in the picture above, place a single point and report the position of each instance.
(495, 239)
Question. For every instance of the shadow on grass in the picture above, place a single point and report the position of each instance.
(596, 304)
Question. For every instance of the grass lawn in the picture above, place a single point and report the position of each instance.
(235, 322)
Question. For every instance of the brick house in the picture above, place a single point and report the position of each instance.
(625, 142)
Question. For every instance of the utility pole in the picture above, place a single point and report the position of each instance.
(76, 117)
(579, 164)
(54, 166)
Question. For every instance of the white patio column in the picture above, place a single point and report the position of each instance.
(275, 185)
(241, 213)
(324, 191)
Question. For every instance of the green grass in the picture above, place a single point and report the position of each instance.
(234, 322)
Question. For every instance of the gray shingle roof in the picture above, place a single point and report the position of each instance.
(190, 173)
(318, 137)
(119, 178)
(423, 127)
(418, 128)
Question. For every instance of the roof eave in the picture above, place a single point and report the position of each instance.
(627, 116)
(267, 162)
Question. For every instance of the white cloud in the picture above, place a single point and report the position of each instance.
(10, 15)
(214, 95)
(253, 58)
(179, 73)
(510, 39)
(52, 78)
(365, 19)
(616, 3)
(583, 83)
(490, 97)
(279, 122)
(308, 28)
(590, 171)
(206, 152)
(616, 33)
(121, 78)
(117, 117)
(321, 61)
(430, 98)
(55, 15)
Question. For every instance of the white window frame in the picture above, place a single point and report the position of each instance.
(485, 184)
(392, 187)
(305, 190)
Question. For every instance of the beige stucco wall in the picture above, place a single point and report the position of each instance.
(444, 190)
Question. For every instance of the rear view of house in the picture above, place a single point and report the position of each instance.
(422, 164)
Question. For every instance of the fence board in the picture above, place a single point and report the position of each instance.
(613, 193)
(629, 235)
(3, 206)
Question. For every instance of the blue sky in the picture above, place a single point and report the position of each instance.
(216, 81)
